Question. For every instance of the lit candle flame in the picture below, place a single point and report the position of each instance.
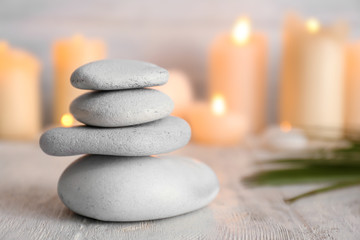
(313, 25)
(67, 120)
(285, 126)
(218, 105)
(241, 31)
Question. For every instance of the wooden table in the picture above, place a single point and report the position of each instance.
(31, 209)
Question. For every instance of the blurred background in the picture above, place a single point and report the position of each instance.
(172, 34)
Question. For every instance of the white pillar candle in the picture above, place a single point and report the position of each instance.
(237, 72)
(284, 138)
(180, 91)
(20, 117)
(352, 104)
(214, 124)
(313, 77)
(68, 55)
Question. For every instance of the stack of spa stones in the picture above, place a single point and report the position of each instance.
(126, 124)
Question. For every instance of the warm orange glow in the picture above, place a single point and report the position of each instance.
(78, 38)
(312, 25)
(241, 31)
(285, 126)
(218, 105)
(67, 120)
(3, 46)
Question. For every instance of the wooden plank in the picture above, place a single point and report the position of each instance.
(30, 208)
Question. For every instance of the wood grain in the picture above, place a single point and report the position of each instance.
(30, 208)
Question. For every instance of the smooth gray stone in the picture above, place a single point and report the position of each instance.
(121, 108)
(116, 74)
(161, 136)
(112, 188)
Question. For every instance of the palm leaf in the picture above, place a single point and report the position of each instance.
(340, 167)
(324, 189)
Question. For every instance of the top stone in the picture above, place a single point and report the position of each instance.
(118, 74)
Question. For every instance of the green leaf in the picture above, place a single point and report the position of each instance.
(314, 162)
(305, 175)
(340, 167)
(322, 190)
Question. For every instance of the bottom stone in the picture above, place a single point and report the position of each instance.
(112, 188)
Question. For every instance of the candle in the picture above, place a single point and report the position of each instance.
(213, 124)
(284, 138)
(352, 104)
(313, 76)
(179, 89)
(68, 55)
(237, 71)
(19, 94)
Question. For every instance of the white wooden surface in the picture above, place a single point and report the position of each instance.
(31, 209)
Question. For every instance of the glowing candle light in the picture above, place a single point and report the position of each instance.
(67, 120)
(313, 25)
(218, 105)
(237, 72)
(241, 31)
(285, 126)
(213, 124)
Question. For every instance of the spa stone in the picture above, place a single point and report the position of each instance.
(110, 188)
(118, 74)
(161, 136)
(121, 108)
